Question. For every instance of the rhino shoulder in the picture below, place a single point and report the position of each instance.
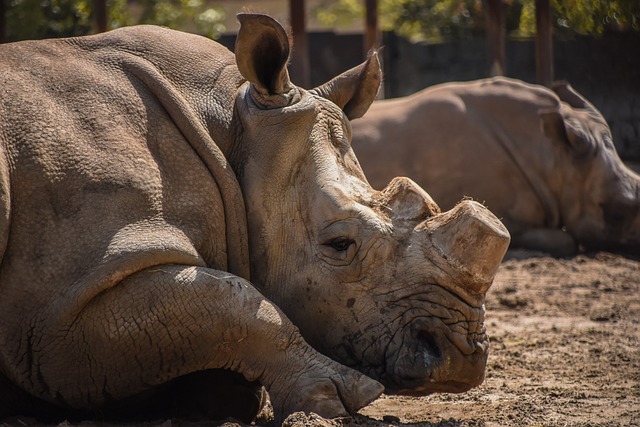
(95, 161)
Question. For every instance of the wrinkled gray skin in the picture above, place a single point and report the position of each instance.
(179, 225)
(541, 160)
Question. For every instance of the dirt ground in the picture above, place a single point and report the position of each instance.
(565, 351)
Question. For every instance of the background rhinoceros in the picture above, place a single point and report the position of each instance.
(540, 160)
(169, 212)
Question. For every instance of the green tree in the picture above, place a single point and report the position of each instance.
(47, 18)
(417, 19)
(193, 15)
(433, 18)
(36, 19)
(437, 19)
(584, 16)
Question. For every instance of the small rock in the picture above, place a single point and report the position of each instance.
(300, 419)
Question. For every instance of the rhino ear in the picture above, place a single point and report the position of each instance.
(567, 94)
(356, 89)
(560, 125)
(262, 52)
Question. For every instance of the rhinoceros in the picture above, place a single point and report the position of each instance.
(542, 160)
(183, 228)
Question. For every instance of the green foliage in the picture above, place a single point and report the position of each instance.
(117, 14)
(584, 16)
(416, 19)
(433, 19)
(47, 18)
(438, 19)
(339, 13)
(194, 15)
(35, 19)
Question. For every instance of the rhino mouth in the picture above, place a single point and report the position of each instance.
(444, 352)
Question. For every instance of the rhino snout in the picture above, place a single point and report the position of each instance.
(473, 242)
(622, 217)
(434, 358)
(441, 344)
(612, 223)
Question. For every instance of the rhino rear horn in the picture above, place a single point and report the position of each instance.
(355, 89)
(262, 53)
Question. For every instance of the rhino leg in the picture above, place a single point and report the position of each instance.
(170, 321)
(15, 401)
(191, 396)
(211, 394)
(553, 241)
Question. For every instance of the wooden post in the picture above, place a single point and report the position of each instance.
(371, 33)
(495, 37)
(299, 68)
(100, 15)
(3, 13)
(373, 38)
(544, 43)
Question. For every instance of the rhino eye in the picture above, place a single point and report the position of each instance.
(338, 245)
(341, 244)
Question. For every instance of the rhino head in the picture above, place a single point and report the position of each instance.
(381, 281)
(599, 199)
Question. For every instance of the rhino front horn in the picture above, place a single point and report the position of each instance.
(473, 242)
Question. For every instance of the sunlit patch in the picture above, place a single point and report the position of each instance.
(268, 313)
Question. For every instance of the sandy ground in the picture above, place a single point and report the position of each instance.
(565, 351)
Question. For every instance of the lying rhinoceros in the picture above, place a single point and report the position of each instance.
(540, 160)
(181, 226)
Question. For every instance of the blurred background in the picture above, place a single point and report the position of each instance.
(593, 44)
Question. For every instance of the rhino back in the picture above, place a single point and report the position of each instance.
(102, 181)
(481, 139)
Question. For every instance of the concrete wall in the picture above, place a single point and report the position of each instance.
(606, 71)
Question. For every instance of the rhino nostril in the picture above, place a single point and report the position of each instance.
(428, 344)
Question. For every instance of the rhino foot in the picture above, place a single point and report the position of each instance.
(324, 387)
(555, 242)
